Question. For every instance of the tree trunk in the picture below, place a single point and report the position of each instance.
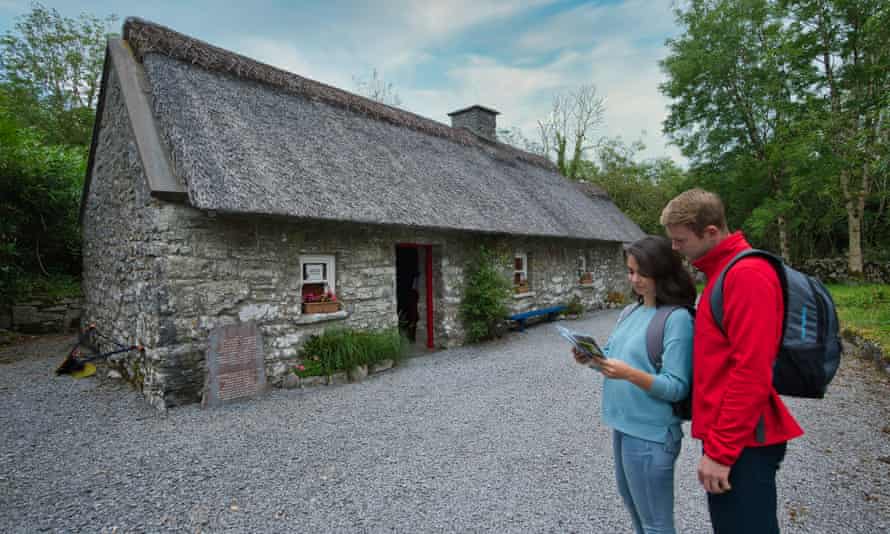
(855, 208)
(783, 239)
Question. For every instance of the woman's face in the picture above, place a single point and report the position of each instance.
(642, 285)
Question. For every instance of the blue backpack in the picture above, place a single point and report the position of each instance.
(655, 349)
(810, 349)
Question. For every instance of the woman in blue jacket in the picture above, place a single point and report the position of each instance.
(636, 397)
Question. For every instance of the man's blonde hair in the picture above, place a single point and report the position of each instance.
(696, 209)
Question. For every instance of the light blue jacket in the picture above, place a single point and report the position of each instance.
(648, 414)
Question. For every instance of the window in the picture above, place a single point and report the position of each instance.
(520, 270)
(582, 265)
(584, 275)
(317, 274)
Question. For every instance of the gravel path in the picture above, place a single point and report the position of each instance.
(503, 437)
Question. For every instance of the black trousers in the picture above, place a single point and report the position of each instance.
(750, 506)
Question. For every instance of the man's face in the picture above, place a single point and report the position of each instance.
(687, 243)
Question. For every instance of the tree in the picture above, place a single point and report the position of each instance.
(569, 129)
(638, 188)
(847, 40)
(731, 78)
(782, 106)
(377, 89)
(51, 66)
(40, 186)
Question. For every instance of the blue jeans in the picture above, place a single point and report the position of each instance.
(644, 471)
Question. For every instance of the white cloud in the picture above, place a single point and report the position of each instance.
(590, 22)
(13, 5)
(440, 18)
(285, 55)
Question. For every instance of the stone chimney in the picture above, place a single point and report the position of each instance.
(479, 120)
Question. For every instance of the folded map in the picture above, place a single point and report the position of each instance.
(585, 344)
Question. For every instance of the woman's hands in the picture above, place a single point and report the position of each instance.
(616, 369)
(584, 359)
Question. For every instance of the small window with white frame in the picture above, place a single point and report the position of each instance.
(520, 272)
(584, 274)
(318, 275)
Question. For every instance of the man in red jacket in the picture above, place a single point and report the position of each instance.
(743, 424)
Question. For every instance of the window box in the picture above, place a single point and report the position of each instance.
(521, 287)
(586, 279)
(321, 307)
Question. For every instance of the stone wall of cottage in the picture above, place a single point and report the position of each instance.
(164, 275)
(553, 274)
(120, 246)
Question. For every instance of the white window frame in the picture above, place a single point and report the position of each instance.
(582, 265)
(330, 280)
(524, 271)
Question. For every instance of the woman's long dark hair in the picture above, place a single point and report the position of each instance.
(657, 260)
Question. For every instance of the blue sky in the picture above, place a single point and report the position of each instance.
(442, 55)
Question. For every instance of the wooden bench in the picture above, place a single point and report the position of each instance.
(521, 318)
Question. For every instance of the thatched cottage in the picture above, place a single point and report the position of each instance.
(221, 190)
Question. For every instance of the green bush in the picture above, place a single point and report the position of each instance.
(574, 307)
(338, 349)
(485, 296)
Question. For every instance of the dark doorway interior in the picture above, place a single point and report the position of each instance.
(407, 290)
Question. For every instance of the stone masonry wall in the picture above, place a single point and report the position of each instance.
(220, 271)
(164, 275)
(120, 284)
(42, 315)
(553, 276)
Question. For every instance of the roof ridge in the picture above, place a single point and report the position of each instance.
(146, 37)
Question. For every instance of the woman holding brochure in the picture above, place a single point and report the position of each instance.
(636, 397)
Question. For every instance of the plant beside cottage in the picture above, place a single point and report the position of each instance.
(483, 308)
(615, 299)
(342, 349)
(574, 307)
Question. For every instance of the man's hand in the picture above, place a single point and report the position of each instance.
(714, 477)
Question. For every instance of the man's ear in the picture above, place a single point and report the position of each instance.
(712, 231)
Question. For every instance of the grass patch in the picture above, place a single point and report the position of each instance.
(865, 310)
(339, 349)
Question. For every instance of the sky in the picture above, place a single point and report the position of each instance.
(442, 55)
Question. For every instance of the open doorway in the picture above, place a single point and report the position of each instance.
(414, 293)
(407, 290)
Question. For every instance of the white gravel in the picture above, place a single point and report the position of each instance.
(501, 437)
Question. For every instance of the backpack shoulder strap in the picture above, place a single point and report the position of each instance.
(655, 334)
(717, 291)
(629, 309)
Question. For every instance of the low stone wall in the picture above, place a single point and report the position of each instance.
(833, 270)
(865, 348)
(42, 315)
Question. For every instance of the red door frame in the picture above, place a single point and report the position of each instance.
(428, 267)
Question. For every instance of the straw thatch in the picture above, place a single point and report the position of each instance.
(249, 138)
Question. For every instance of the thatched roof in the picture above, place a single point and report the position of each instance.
(245, 137)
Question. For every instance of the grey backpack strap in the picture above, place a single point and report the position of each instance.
(655, 334)
(717, 292)
(629, 309)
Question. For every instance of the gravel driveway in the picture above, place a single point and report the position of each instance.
(502, 437)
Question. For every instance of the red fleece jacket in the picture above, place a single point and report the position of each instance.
(733, 375)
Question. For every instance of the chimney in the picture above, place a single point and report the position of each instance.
(479, 120)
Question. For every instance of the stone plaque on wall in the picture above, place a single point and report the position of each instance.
(234, 364)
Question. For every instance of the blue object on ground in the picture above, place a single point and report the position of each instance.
(521, 318)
